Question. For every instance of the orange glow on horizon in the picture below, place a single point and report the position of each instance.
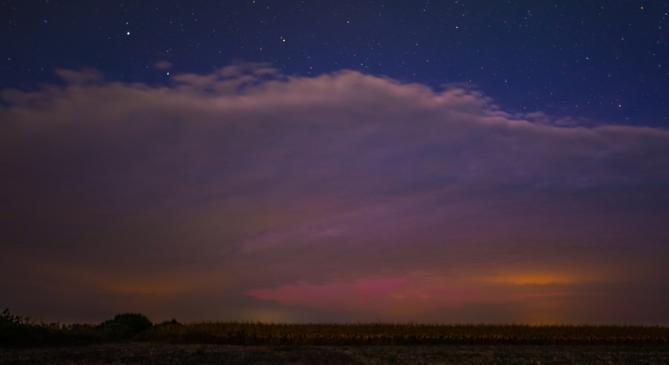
(537, 279)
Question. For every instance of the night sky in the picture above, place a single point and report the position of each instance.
(309, 161)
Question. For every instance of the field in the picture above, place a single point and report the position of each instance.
(133, 339)
(403, 334)
(151, 353)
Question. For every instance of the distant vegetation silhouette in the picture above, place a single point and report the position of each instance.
(17, 331)
(124, 326)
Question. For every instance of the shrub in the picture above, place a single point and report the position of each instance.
(171, 323)
(8, 320)
(125, 326)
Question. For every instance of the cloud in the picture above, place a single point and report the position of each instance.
(275, 184)
(163, 65)
(84, 76)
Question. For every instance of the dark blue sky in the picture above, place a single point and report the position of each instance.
(606, 61)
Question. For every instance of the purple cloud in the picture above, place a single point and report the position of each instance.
(246, 193)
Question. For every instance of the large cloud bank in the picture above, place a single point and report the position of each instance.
(248, 194)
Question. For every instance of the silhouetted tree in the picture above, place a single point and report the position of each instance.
(125, 326)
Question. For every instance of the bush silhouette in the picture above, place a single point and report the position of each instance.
(125, 326)
(173, 323)
(13, 329)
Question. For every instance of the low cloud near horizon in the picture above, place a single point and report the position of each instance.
(247, 194)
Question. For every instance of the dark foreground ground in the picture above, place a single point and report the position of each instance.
(148, 353)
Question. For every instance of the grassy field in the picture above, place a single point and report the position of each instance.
(133, 339)
(17, 331)
(403, 334)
